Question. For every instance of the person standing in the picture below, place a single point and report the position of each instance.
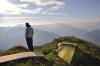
(29, 36)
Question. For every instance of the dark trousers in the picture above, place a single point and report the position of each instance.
(30, 43)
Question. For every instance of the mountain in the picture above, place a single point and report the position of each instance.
(62, 29)
(12, 36)
(87, 54)
(93, 35)
(67, 30)
(90, 26)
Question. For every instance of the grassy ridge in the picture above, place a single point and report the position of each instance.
(87, 54)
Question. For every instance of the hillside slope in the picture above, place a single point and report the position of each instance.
(87, 54)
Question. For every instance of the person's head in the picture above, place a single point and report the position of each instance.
(27, 25)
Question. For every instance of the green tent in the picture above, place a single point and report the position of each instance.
(66, 51)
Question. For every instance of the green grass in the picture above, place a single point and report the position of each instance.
(86, 53)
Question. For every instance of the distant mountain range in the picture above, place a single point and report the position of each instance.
(62, 29)
(94, 36)
(90, 26)
(16, 36)
(11, 36)
(66, 30)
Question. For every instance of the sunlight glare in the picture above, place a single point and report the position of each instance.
(7, 7)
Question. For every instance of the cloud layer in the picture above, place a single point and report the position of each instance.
(23, 7)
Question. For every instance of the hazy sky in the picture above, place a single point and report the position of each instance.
(13, 12)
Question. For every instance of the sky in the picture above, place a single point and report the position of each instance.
(40, 12)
